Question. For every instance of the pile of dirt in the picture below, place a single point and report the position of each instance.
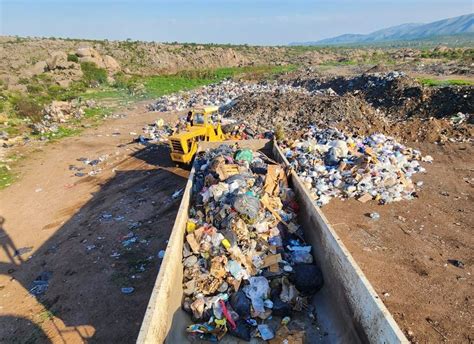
(351, 114)
(296, 111)
(395, 93)
(391, 103)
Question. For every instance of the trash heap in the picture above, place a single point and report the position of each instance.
(220, 94)
(332, 164)
(158, 131)
(247, 268)
(60, 112)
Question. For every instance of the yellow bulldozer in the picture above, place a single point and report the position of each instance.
(184, 145)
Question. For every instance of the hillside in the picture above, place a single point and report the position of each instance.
(461, 25)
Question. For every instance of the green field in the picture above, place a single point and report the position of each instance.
(450, 82)
(159, 85)
(24, 108)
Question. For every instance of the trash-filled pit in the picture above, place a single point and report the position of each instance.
(248, 271)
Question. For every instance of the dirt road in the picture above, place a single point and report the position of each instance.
(91, 236)
(77, 227)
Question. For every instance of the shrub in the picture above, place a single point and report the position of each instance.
(197, 74)
(55, 91)
(121, 80)
(28, 108)
(34, 88)
(23, 81)
(73, 58)
(132, 84)
(93, 74)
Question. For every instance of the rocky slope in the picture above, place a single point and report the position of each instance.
(22, 58)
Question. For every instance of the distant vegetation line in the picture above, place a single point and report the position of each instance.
(465, 40)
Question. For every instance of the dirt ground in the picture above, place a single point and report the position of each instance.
(406, 253)
(76, 226)
(78, 230)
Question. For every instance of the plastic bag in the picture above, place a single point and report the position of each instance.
(244, 154)
(257, 292)
(241, 304)
(308, 278)
(247, 205)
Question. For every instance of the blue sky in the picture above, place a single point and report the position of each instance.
(261, 22)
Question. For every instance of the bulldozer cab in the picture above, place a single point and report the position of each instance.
(205, 116)
(206, 127)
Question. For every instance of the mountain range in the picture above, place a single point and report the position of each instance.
(414, 31)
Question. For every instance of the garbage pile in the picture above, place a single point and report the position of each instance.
(222, 94)
(247, 268)
(60, 112)
(332, 164)
(157, 131)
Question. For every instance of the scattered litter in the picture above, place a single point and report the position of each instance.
(456, 263)
(177, 194)
(94, 163)
(127, 290)
(161, 254)
(374, 216)
(401, 218)
(427, 158)
(41, 283)
(130, 241)
(134, 225)
(459, 118)
(23, 250)
(59, 112)
(365, 198)
(106, 216)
